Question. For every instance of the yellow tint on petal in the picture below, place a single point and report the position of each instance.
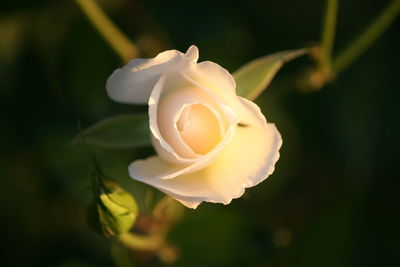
(199, 128)
(246, 160)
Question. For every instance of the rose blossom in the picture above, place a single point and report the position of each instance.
(211, 144)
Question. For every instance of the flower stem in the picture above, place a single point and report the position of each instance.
(137, 242)
(124, 47)
(328, 38)
(367, 38)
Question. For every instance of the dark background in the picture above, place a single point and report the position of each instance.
(333, 199)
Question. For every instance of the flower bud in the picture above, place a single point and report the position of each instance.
(113, 212)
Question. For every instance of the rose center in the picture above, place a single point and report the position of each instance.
(199, 128)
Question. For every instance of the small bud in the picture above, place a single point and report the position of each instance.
(113, 212)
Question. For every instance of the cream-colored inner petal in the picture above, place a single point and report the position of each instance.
(203, 124)
(199, 128)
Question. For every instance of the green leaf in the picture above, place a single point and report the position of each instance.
(118, 132)
(254, 77)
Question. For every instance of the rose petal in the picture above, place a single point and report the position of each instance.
(134, 82)
(172, 170)
(165, 150)
(171, 110)
(213, 76)
(180, 154)
(220, 85)
(201, 128)
(246, 161)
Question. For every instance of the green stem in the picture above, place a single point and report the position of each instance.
(147, 243)
(367, 38)
(328, 37)
(125, 48)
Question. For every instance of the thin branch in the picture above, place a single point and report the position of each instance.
(367, 38)
(328, 38)
(124, 47)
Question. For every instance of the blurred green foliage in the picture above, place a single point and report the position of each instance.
(332, 200)
(124, 131)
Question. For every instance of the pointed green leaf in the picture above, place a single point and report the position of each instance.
(254, 77)
(118, 132)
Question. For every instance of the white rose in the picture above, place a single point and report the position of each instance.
(211, 144)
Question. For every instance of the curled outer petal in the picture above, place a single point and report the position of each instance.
(134, 82)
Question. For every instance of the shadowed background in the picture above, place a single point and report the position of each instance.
(332, 201)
